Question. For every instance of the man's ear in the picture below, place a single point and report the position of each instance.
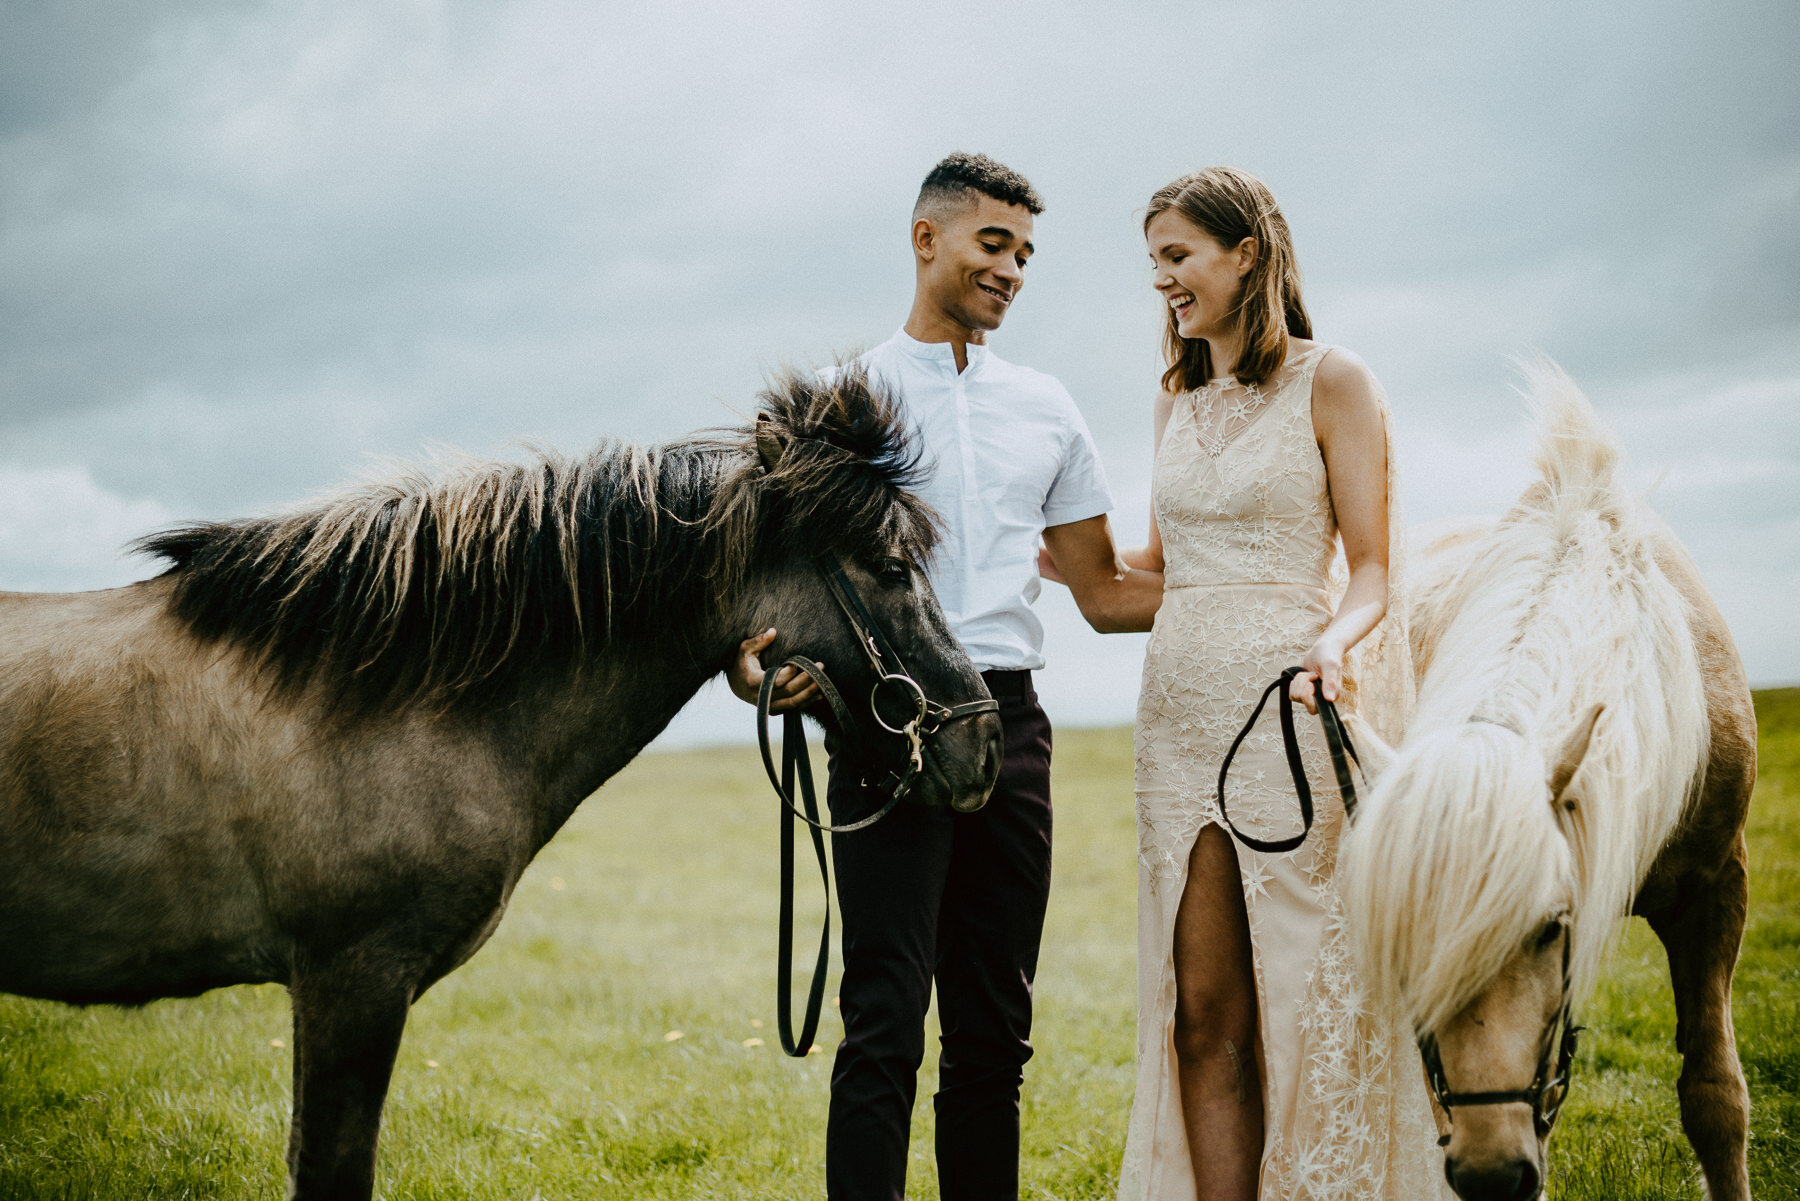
(924, 239)
(770, 445)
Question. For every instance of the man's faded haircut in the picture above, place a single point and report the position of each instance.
(957, 181)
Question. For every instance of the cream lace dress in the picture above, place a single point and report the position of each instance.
(1249, 543)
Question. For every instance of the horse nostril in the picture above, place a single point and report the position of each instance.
(991, 753)
(1516, 1181)
(986, 765)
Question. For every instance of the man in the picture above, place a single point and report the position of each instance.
(929, 893)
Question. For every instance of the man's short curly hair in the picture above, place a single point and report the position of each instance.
(959, 176)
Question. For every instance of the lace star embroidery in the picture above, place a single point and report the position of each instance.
(1230, 415)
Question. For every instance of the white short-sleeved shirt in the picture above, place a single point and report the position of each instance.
(1006, 453)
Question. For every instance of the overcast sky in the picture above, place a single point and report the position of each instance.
(244, 248)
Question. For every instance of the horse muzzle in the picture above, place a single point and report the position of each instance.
(1513, 1180)
(962, 762)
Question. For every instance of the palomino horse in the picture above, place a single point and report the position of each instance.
(322, 747)
(1583, 748)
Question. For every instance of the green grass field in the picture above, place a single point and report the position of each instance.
(549, 1067)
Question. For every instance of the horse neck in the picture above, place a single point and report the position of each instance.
(570, 734)
(1551, 622)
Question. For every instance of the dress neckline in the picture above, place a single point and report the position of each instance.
(1293, 369)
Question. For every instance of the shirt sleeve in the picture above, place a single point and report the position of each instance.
(1079, 490)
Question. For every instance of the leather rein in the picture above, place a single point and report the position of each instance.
(1550, 1085)
(1337, 741)
(794, 783)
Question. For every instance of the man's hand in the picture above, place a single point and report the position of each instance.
(793, 689)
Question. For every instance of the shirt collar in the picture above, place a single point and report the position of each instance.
(938, 352)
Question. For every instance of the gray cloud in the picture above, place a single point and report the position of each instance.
(243, 247)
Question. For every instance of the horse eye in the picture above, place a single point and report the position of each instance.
(1547, 936)
(894, 571)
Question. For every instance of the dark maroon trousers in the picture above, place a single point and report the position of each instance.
(930, 894)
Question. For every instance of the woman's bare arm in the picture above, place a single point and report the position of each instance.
(1149, 557)
(1352, 437)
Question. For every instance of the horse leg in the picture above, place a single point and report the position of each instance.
(348, 1018)
(1701, 931)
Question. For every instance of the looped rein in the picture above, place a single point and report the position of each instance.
(1337, 741)
(794, 783)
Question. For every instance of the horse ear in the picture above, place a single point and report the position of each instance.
(769, 445)
(1574, 749)
(1375, 754)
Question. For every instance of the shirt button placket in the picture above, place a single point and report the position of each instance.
(966, 444)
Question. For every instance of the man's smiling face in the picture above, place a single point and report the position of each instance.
(978, 261)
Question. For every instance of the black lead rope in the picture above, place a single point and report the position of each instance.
(794, 754)
(796, 764)
(1337, 741)
(926, 718)
(796, 773)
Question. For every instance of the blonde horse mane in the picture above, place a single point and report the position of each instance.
(1458, 855)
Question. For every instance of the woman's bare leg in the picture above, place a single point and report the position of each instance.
(1215, 1025)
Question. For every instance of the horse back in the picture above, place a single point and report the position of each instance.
(169, 824)
(1708, 838)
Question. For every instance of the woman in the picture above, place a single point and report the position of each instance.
(1261, 1071)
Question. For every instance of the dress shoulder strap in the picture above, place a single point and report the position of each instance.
(1296, 389)
(1307, 363)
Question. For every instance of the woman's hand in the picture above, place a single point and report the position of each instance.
(1324, 664)
(1047, 567)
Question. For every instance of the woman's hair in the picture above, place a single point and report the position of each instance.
(1229, 205)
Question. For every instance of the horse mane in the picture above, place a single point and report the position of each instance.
(418, 588)
(1457, 852)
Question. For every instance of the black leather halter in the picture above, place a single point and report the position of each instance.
(1550, 1085)
(1550, 1082)
(925, 718)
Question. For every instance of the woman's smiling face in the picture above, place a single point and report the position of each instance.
(1199, 279)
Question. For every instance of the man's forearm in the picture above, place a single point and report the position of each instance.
(1124, 603)
(1116, 596)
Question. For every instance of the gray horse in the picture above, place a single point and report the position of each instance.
(322, 747)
